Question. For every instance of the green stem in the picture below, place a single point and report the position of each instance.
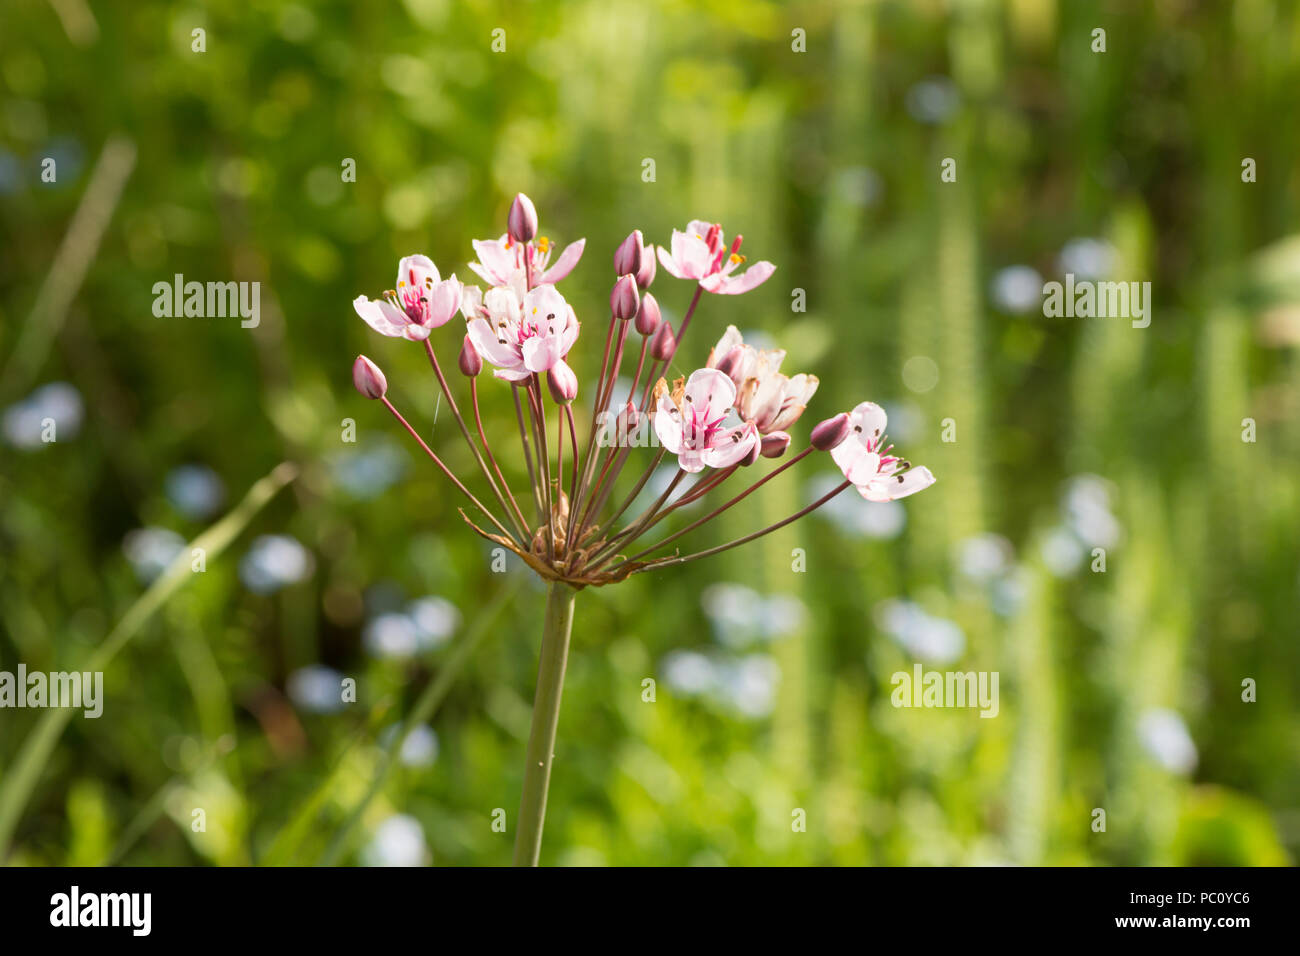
(546, 717)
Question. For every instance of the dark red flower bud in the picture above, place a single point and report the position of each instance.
(624, 299)
(368, 379)
(664, 343)
(627, 257)
(522, 222)
(648, 316)
(470, 362)
(774, 445)
(831, 432)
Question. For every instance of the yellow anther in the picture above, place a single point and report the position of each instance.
(736, 258)
(543, 244)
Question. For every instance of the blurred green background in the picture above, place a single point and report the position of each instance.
(1120, 690)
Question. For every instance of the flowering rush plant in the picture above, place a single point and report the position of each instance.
(569, 524)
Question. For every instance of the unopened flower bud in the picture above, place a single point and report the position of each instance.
(664, 343)
(831, 432)
(648, 316)
(470, 362)
(627, 257)
(368, 379)
(774, 445)
(522, 222)
(646, 274)
(624, 299)
(562, 382)
(629, 418)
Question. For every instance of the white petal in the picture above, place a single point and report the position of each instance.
(911, 481)
(732, 447)
(711, 392)
(417, 272)
(867, 422)
(730, 339)
(502, 306)
(484, 337)
(668, 426)
(381, 316)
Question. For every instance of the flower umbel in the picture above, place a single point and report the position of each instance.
(567, 523)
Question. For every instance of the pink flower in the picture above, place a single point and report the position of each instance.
(501, 262)
(700, 253)
(522, 339)
(766, 397)
(865, 460)
(422, 301)
(689, 422)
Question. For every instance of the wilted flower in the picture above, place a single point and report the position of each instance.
(764, 396)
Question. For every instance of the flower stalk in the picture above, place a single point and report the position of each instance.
(556, 628)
